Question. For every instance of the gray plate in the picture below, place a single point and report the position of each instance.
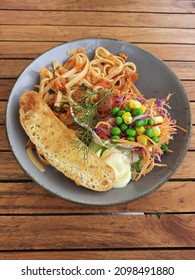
(155, 80)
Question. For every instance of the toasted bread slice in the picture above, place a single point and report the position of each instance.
(56, 143)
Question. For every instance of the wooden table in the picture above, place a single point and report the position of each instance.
(37, 225)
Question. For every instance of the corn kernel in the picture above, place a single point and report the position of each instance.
(135, 104)
(149, 147)
(127, 119)
(126, 114)
(142, 140)
(140, 130)
(143, 108)
(156, 130)
(158, 119)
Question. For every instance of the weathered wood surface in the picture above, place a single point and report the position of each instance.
(28, 198)
(96, 232)
(81, 18)
(165, 6)
(64, 33)
(36, 225)
(185, 70)
(133, 254)
(164, 51)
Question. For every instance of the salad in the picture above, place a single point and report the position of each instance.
(98, 100)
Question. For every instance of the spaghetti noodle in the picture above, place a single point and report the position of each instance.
(88, 96)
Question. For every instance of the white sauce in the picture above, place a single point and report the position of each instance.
(121, 165)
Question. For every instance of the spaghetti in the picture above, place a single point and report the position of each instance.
(90, 97)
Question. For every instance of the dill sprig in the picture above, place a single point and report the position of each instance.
(85, 113)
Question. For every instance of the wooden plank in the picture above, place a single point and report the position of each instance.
(192, 106)
(170, 51)
(24, 49)
(192, 142)
(180, 69)
(189, 88)
(148, 254)
(90, 18)
(66, 33)
(187, 167)
(118, 5)
(33, 49)
(28, 198)
(8, 71)
(7, 84)
(3, 105)
(10, 169)
(184, 70)
(96, 232)
(4, 146)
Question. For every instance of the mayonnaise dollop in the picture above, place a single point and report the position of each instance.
(121, 165)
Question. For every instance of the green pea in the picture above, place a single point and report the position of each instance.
(115, 130)
(164, 147)
(118, 120)
(155, 139)
(151, 122)
(120, 113)
(139, 123)
(127, 109)
(130, 138)
(124, 126)
(137, 112)
(145, 122)
(117, 137)
(149, 132)
(114, 111)
(130, 132)
(138, 165)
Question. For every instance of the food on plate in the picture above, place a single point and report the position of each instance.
(55, 142)
(97, 103)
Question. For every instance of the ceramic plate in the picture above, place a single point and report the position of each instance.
(155, 80)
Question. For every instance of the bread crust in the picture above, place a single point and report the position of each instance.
(57, 144)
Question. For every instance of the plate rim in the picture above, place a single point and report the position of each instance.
(109, 204)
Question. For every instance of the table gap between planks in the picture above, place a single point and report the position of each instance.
(37, 225)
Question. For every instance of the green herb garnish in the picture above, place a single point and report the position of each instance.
(85, 113)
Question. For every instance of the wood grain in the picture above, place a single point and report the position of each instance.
(83, 18)
(184, 70)
(28, 198)
(34, 224)
(181, 52)
(6, 85)
(3, 105)
(148, 254)
(164, 6)
(96, 232)
(4, 146)
(66, 33)
(11, 170)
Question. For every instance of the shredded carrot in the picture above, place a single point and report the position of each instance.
(104, 123)
(107, 71)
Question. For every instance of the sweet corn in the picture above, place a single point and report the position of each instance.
(140, 130)
(156, 130)
(135, 104)
(126, 114)
(143, 108)
(149, 147)
(158, 119)
(142, 140)
(127, 119)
